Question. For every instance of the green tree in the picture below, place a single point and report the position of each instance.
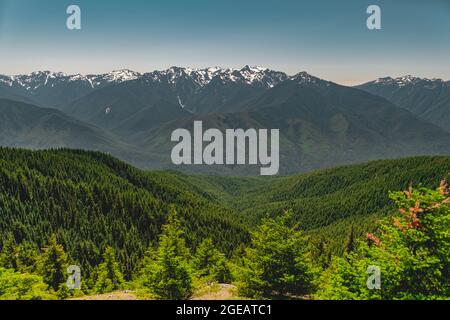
(411, 250)
(109, 276)
(17, 286)
(169, 275)
(277, 261)
(350, 244)
(27, 255)
(320, 254)
(8, 258)
(53, 263)
(210, 263)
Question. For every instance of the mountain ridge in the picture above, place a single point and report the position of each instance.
(427, 98)
(323, 124)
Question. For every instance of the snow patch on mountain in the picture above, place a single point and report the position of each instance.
(7, 80)
(202, 77)
(182, 105)
(410, 80)
(304, 78)
(175, 76)
(35, 80)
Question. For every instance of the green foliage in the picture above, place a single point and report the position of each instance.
(8, 257)
(350, 244)
(210, 263)
(169, 275)
(277, 261)
(91, 201)
(17, 286)
(53, 263)
(412, 251)
(320, 254)
(20, 257)
(326, 202)
(109, 277)
(64, 292)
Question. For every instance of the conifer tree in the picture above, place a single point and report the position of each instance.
(169, 275)
(320, 254)
(8, 257)
(210, 263)
(53, 264)
(350, 244)
(109, 276)
(277, 261)
(27, 255)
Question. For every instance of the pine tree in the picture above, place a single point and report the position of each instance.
(27, 255)
(169, 275)
(8, 257)
(320, 255)
(53, 264)
(210, 263)
(277, 261)
(109, 276)
(350, 244)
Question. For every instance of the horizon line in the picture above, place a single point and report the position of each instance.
(222, 68)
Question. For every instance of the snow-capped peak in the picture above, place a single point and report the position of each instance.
(34, 80)
(121, 75)
(248, 75)
(305, 78)
(46, 73)
(9, 81)
(256, 76)
(406, 80)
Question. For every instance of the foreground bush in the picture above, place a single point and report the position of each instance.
(411, 250)
(17, 286)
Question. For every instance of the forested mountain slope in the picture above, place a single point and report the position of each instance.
(91, 200)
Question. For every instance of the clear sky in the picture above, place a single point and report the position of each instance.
(327, 38)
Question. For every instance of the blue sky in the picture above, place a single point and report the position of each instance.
(327, 38)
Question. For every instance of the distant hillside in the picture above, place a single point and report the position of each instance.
(321, 124)
(56, 89)
(325, 202)
(132, 115)
(334, 187)
(24, 125)
(429, 99)
(92, 200)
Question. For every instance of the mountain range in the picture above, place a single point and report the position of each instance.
(429, 99)
(131, 115)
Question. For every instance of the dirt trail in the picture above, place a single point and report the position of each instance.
(118, 295)
(225, 292)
